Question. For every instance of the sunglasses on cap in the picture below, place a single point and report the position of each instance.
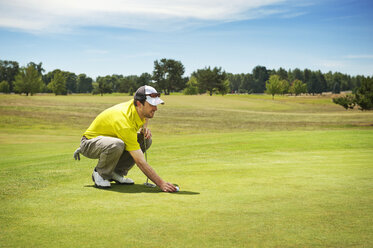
(154, 95)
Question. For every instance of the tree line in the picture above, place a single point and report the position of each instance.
(168, 76)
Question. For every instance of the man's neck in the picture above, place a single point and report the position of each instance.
(139, 112)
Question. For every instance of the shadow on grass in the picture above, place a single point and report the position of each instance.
(139, 188)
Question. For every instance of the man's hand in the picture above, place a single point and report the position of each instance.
(76, 154)
(168, 187)
(146, 132)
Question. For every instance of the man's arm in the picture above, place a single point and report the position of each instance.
(138, 156)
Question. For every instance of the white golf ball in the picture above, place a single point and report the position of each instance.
(177, 189)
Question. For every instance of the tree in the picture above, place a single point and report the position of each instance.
(28, 81)
(144, 79)
(235, 81)
(260, 76)
(128, 84)
(58, 83)
(321, 85)
(224, 87)
(38, 67)
(8, 72)
(295, 74)
(84, 84)
(4, 87)
(168, 74)
(191, 86)
(298, 87)
(105, 84)
(364, 94)
(273, 86)
(210, 80)
(284, 87)
(336, 88)
(71, 82)
(282, 73)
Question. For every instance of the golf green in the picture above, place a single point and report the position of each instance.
(294, 172)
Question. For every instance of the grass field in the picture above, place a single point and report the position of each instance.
(293, 172)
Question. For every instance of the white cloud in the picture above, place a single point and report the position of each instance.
(60, 15)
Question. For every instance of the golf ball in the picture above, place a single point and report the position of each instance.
(177, 189)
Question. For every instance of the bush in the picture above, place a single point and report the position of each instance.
(348, 101)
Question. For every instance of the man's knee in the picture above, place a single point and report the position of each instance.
(148, 143)
(117, 146)
(144, 143)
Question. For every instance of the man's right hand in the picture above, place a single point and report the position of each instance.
(76, 154)
(168, 187)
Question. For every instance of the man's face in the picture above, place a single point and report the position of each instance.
(149, 110)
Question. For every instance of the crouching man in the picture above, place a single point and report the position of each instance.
(114, 139)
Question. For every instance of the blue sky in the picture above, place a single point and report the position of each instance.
(125, 37)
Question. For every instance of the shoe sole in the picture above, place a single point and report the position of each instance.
(112, 180)
(98, 186)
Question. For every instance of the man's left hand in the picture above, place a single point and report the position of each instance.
(147, 133)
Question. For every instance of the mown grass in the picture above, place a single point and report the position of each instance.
(294, 172)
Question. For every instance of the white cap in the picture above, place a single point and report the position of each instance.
(144, 93)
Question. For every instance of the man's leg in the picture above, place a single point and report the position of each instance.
(126, 161)
(107, 149)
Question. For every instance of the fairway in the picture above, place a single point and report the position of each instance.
(253, 172)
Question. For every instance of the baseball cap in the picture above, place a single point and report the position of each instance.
(150, 94)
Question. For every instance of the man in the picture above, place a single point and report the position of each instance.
(114, 140)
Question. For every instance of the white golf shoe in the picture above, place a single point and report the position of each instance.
(99, 181)
(121, 180)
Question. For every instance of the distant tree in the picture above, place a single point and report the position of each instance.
(260, 76)
(223, 88)
(28, 81)
(296, 74)
(364, 94)
(71, 82)
(247, 83)
(330, 84)
(336, 88)
(191, 86)
(282, 73)
(273, 85)
(96, 89)
(144, 79)
(235, 81)
(38, 67)
(321, 82)
(210, 80)
(58, 83)
(312, 83)
(8, 72)
(84, 84)
(105, 84)
(128, 84)
(298, 87)
(284, 86)
(4, 87)
(168, 75)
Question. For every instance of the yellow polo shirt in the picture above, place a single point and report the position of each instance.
(120, 121)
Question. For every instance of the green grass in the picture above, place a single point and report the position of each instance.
(294, 172)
